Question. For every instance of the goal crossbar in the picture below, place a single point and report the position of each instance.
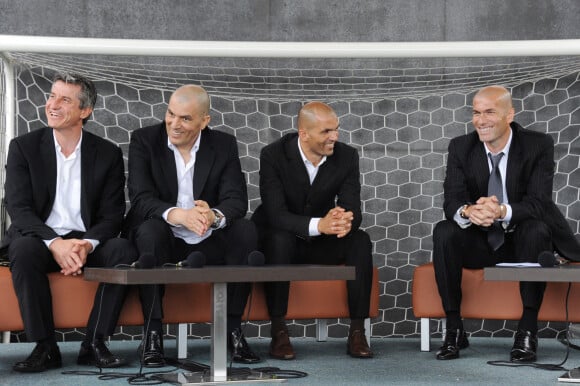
(263, 49)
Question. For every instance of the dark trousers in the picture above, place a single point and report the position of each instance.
(281, 247)
(455, 248)
(31, 260)
(226, 246)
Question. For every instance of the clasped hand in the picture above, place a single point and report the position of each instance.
(485, 211)
(197, 219)
(70, 254)
(337, 222)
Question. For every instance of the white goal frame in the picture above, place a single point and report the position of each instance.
(254, 49)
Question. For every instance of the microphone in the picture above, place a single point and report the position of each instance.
(547, 260)
(256, 258)
(144, 261)
(196, 259)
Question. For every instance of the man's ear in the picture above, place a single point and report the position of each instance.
(206, 120)
(86, 112)
(511, 114)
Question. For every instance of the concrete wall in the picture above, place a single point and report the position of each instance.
(294, 20)
(401, 135)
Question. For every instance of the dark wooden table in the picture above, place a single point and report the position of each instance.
(218, 277)
(562, 273)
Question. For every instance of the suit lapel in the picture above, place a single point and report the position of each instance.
(480, 167)
(166, 159)
(326, 173)
(88, 161)
(515, 160)
(296, 165)
(48, 157)
(204, 159)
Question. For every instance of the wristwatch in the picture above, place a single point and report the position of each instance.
(462, 212)
(217, 219)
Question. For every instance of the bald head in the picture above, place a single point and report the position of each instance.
(313, 112)
(193, 93)
(496, 93)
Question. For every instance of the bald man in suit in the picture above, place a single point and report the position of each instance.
(188, 194)
(310, 214)
(498, 208)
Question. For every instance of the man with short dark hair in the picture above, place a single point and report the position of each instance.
(65, 197)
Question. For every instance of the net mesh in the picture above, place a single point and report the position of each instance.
(330, 79)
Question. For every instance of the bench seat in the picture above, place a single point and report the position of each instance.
(483, 299)
(183, 303)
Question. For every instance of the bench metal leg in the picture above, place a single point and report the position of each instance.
(182, 340)
(321, 330)
(6, 337)
(368, 330)
(425, 335)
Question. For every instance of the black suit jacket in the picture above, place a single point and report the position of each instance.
(31, 186)
(288, 199)
(217, 176)
(529, 182)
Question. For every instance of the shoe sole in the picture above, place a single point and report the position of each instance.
(369, 355)
(283, 358)
(47, 367)
(109, 366)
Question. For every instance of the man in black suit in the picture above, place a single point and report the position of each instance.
(65, 197)
(498, 208)
(188, 195)
(310, 214)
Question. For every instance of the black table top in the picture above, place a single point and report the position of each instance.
(220, 274)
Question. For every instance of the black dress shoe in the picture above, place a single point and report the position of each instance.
(525, 347)
(97, 354)
(238, 347)
(42, 358)
(455, 340)
(152, 353)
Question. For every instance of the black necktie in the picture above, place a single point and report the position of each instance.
(495, 188)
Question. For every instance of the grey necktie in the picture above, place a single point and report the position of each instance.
(495, 188)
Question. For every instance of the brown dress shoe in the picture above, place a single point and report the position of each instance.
(280, 346)
(357, 345)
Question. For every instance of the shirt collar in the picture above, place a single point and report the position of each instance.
(194, 148)
(58, 148)
(306, 160)
(505, 149)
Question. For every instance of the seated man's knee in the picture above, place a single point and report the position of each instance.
(152, 231)
(118, 251)
(362, 240)
(280, 247)
(533, 236)
(25, 254)
(444, 231)
(243, 232)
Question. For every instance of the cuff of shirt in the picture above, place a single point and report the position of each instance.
(94, 243)
(313, 227)
(462, 222)
(166, 213)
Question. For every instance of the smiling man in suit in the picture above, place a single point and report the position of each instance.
(188, 195)
(65, 197)
(310, 214)
(498, 208)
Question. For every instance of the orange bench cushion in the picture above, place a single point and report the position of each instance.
(485, 299)
(73, 300)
